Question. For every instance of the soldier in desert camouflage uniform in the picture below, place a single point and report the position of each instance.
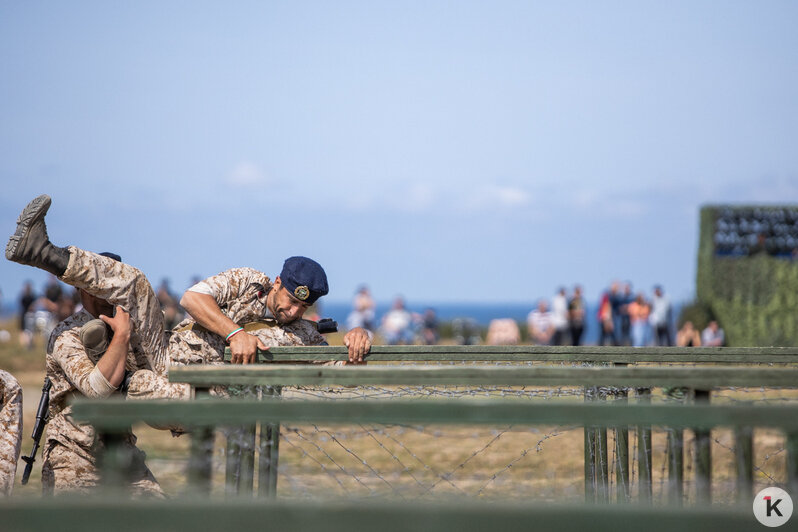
(10, 430)
(76, 369)
(218, 306)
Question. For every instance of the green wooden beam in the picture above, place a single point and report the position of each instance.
(692, 377)
(87, 514)
(533, 353)
(116, 414)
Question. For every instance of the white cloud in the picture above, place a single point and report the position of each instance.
(510, 196)
(246, 174)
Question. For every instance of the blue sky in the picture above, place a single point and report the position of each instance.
(447, 151)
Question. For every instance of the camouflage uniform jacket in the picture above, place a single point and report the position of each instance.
(10, 430)
(241, 295)
(69, 366)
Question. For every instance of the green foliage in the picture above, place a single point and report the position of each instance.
(754, 299)
(697, 312)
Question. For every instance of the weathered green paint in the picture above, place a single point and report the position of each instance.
(703, 455)
(644, 451)
(487, 353)
(744, 463)
(590, 454)
(111, 414)
(85, 515)
(269, 450)
(792, 461)
(675, 466)
(693, 377)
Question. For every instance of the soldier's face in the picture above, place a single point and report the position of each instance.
(284, 306)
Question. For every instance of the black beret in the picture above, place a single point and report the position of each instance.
(304, 279)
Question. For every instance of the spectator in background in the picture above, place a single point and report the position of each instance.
(363, 308)
(576, 316)
(688, 336)
(397, 324)
(713, 335)
(169, 305)
(503, 332)
(639, 311)
(606, 323)
(26, 300)
(559, 317)
(539, 324)
(661, 317)
(625, 321)
(616, 302)
(429, 327)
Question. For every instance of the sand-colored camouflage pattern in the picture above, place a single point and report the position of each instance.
(10, 430)
(69, 454)
(65, 471)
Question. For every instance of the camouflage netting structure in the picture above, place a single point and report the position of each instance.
(747, 275)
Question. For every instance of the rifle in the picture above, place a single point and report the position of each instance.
(38, 428)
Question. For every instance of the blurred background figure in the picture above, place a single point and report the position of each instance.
(576, 316)
(26, 300)
(661, 317)
(639, 311)
(713, 335)
(429, 327)
(169, 305)
(605, 319)
(503, 331)
(397, 324)
(688, 336)
(539, 324)
(624, 319)
(466, 331)
(363, 310)
(559, 318)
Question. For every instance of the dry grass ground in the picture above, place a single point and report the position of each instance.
(539, 463)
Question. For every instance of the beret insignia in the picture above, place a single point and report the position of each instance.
(301, 292)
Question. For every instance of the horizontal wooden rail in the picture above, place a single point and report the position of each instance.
(533, 353)
(86, 514)
(115, 414)
(691, 377)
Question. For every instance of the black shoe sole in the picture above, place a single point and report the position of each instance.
(34, 211)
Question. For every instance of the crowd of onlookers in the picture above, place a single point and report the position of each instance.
(624, 318)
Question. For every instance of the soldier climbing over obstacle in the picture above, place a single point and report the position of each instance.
(218, 306)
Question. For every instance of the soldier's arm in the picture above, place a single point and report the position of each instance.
(112, 363)
(205, 310)
(68, 352)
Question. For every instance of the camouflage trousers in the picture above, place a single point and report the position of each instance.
(67, 471)
(10, 430)
(123, 285)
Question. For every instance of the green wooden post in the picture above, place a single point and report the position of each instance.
(200, 462)
(590, 454)
(792, 461)
(622, 493)
(247, 478)
(703, 456)
(744, 463)
(644, 493)
(233, 461)
(602, 465)
(116, 461)
(269, 449)
(676, 453)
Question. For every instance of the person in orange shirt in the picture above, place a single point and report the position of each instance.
(639, 310)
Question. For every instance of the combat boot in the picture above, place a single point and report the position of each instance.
(30, 244)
